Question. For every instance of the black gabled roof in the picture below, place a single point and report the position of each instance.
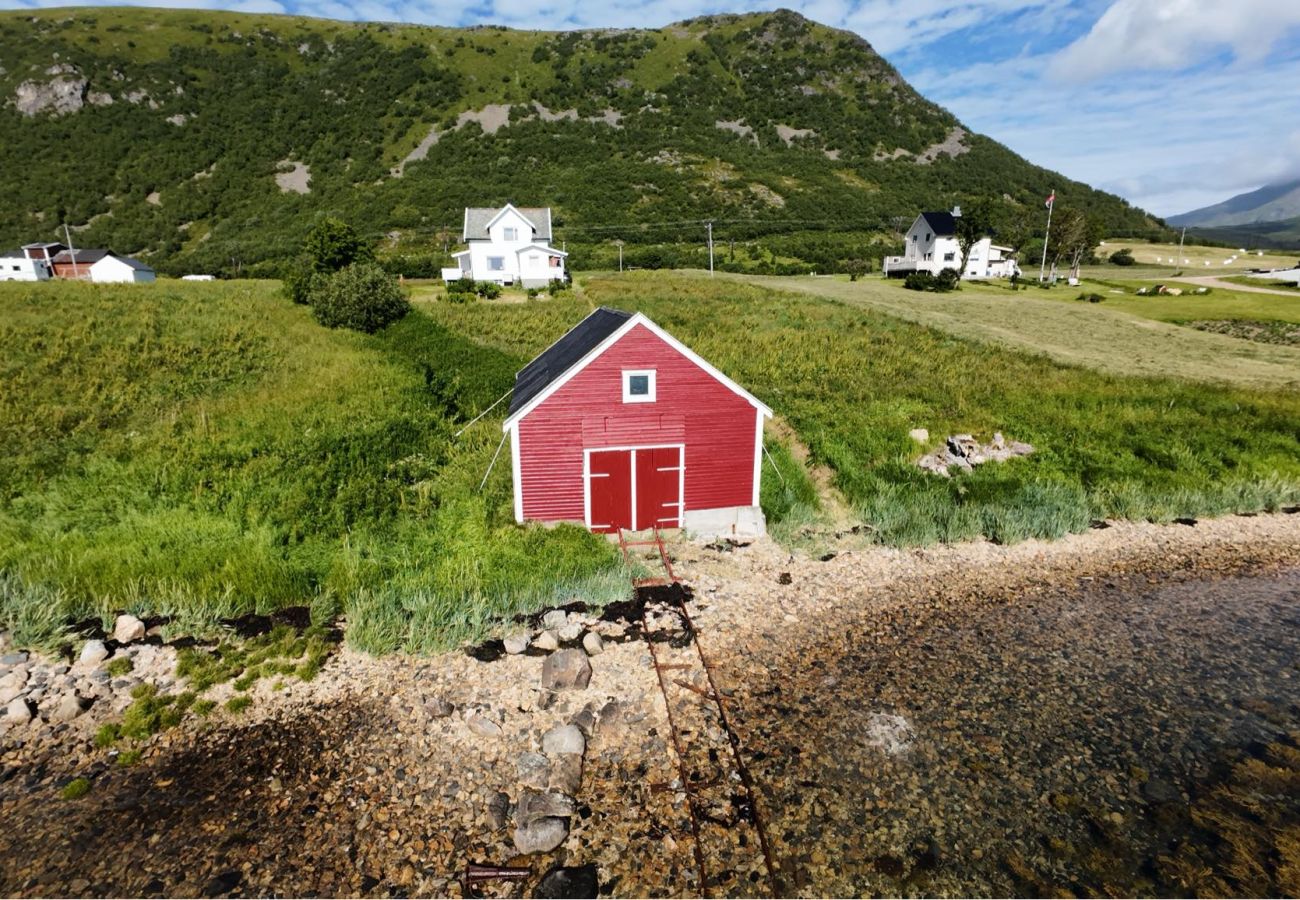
(941, 223)
(80, 257)
(565, 353)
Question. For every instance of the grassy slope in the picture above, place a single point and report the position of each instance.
(1094, 335)
(854, 381)
(350, 100)
(1147, 253)
(207, 450)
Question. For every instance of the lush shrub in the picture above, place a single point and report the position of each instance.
(489, 290)
(1091, 298)
(946, 280)
(362, 296)
(856, 268)
(333, 245)
(300, 281)
(1122, 257)
(462, 286)
(559, 285)
(459, 297)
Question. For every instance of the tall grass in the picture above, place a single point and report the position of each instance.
(204, 451)
(854, 382)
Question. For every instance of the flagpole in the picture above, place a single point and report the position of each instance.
(1042, 268)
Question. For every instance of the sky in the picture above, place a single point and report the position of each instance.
(1172, 104)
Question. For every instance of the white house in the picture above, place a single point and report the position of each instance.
(931, 246)
(508, 245)
(112, 269)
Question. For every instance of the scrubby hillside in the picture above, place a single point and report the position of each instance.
(211, 140)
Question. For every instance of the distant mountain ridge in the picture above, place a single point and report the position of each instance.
(211, 141)
(1271, 203)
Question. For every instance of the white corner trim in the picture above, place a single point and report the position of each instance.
(636, 319)
(464, 226)
(758, 457)
(628, 396)
(517, 473)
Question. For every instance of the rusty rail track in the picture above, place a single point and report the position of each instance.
(711, 696)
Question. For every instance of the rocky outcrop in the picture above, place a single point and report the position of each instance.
(60, 95)
(965, 452)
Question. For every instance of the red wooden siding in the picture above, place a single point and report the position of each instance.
(692, 408)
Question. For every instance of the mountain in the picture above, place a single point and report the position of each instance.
(211, 141)
(1271, 203)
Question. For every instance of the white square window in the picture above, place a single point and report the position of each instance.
(511, 234)
(496, 263)
(638, 385)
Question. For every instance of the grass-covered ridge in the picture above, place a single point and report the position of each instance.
(853, 382)
(207, 450)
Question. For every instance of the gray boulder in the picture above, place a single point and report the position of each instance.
(546, 641)
(534, 769)
(541, 836)
(483, 726)
(12, 685)
(517, 643)
(592, 643)
(18, 712)
(93, 653)
(566, 670)
(67, 708)
(564, 739)
(535, 805)
(566, 773)
(554, 619)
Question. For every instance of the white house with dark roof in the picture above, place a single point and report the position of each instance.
(508, 245)
(931, 246)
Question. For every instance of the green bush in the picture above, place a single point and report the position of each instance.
(489, 290)
(946, 280)
(1091, 298)
(77, 787)
(460, 297)
(1122, 257)
(362, 297)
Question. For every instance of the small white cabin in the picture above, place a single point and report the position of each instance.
(111, 269)
(508, 245)
(29, 263)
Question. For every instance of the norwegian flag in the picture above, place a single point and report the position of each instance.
(1051, 198)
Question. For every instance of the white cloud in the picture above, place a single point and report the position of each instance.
(1175, 34)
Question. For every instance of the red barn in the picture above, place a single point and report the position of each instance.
(619, 425)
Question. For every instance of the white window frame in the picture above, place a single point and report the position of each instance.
(628, 396)
(510, 233)
(496, 263)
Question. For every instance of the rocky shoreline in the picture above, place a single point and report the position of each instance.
(552, 747)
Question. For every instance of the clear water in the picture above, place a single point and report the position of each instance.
(1060, 742)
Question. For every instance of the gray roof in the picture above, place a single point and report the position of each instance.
(478, 217)
(565, 353)
(133, 263)
(80, 257)
(12, 254)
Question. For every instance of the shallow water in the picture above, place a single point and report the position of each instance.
(1063, 741)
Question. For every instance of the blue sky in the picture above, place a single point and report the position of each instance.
(1173, 104)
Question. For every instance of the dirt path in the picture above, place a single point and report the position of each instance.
(1213, 282)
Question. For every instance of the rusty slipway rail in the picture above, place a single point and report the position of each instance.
(721, 801)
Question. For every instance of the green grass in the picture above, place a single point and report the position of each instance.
(853, 382)
(1102, 336)
(1218, 304)
(250, 460)
(205, 451)
(119, 667)
(74, 789)
(238, 703)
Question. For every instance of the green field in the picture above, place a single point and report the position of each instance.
(1123, 335)
(200, 450)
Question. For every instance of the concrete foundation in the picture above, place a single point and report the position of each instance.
(730, 521)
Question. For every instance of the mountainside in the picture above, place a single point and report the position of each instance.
(206, 140)
(1271, 203)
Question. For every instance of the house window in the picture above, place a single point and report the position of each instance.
(511, 234)
(913, 239)
(533, 258)
(948, 257)
(496, 263)
(555, 262)
(927, 235)
(638, 385)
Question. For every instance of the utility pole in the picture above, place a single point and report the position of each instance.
(67, 236)
(620, 255)
(710, 224)
(1179, 262)
(1051, 200)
